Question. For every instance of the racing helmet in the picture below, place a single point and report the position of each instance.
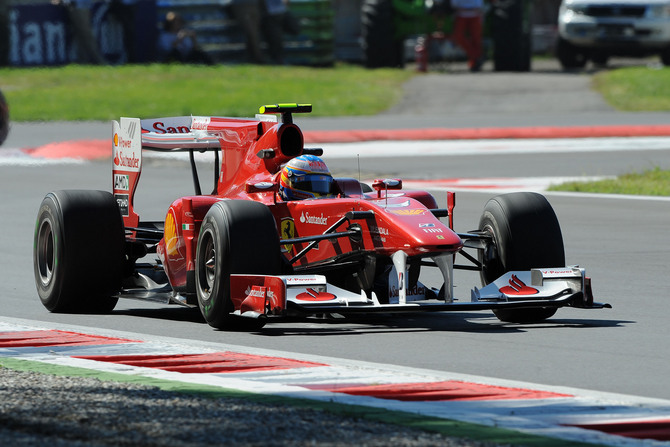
(305, 177)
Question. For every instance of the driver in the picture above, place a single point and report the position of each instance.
(305, 177)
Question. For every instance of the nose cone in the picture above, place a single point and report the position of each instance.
(409, 226)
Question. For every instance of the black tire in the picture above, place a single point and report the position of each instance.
(235, 237)
(381, 47)
(570, 56)
(665, 56)
(4, 119)
(78, 251)
(526, 234)
(600, 59)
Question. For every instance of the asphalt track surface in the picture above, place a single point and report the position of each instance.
(622, 242)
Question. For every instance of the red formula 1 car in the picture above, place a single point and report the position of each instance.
(245, 254)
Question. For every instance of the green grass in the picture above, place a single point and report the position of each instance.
(75, 93)
(631, 89)
(635, 89)
(653, 182)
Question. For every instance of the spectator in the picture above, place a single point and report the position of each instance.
(176, 43)
(247, 13)
(277, 19)
(125, 13)
(467, 32)
(4, 32)
(79, 13)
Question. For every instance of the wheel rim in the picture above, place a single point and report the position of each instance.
(46, 260)
(207, 274)
(490, 257)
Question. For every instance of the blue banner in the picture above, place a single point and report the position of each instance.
(42, 34)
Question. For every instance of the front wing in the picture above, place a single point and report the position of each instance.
(258, 295)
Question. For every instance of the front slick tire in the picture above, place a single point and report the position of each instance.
(526, 234)
(78, 251)
(235, 237)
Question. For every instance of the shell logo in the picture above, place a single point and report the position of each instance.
(518, 287)
(408, 212)
(313, 295)
(170, 234)
(116, 140)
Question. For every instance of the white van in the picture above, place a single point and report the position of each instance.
(595, 30)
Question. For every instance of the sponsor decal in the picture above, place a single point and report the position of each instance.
(379, 233)
(259, 292)
(313, 295)
(124, 143)
(121, 182)
(426, 225)
(311, 219)
(408, 212)
(287, 231)
(311, 165)
(548, 273)
(518, 287)
(126, 161)
(123, 201)
(160, 127)
(302, 279)
(170, 234)
(187, 227)
(317, 165)
(439, 236)
(416, 291)
(256, 291)
(200, 122)
(432, 230)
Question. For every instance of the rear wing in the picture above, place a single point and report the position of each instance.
(182, 133)
(195, 133)
(130, 136)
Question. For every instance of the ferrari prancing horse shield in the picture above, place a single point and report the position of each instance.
(287, 231)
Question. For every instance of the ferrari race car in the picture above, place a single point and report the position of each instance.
(244, 254)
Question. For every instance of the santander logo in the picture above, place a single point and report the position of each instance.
(312, 219)
(126, 161)
(518, 287)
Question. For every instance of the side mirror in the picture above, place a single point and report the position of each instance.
(380, 185)
(261, 187)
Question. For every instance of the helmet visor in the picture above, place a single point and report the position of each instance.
(317, 184)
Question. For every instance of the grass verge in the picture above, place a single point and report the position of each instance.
(76, 92)
(635, 89)
(652, 182)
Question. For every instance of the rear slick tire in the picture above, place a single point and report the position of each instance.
(526, 234)
(236, 236)
(78, 251)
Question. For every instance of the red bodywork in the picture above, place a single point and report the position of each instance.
(252, 153)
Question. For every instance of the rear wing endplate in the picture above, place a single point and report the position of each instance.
(126, 166)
